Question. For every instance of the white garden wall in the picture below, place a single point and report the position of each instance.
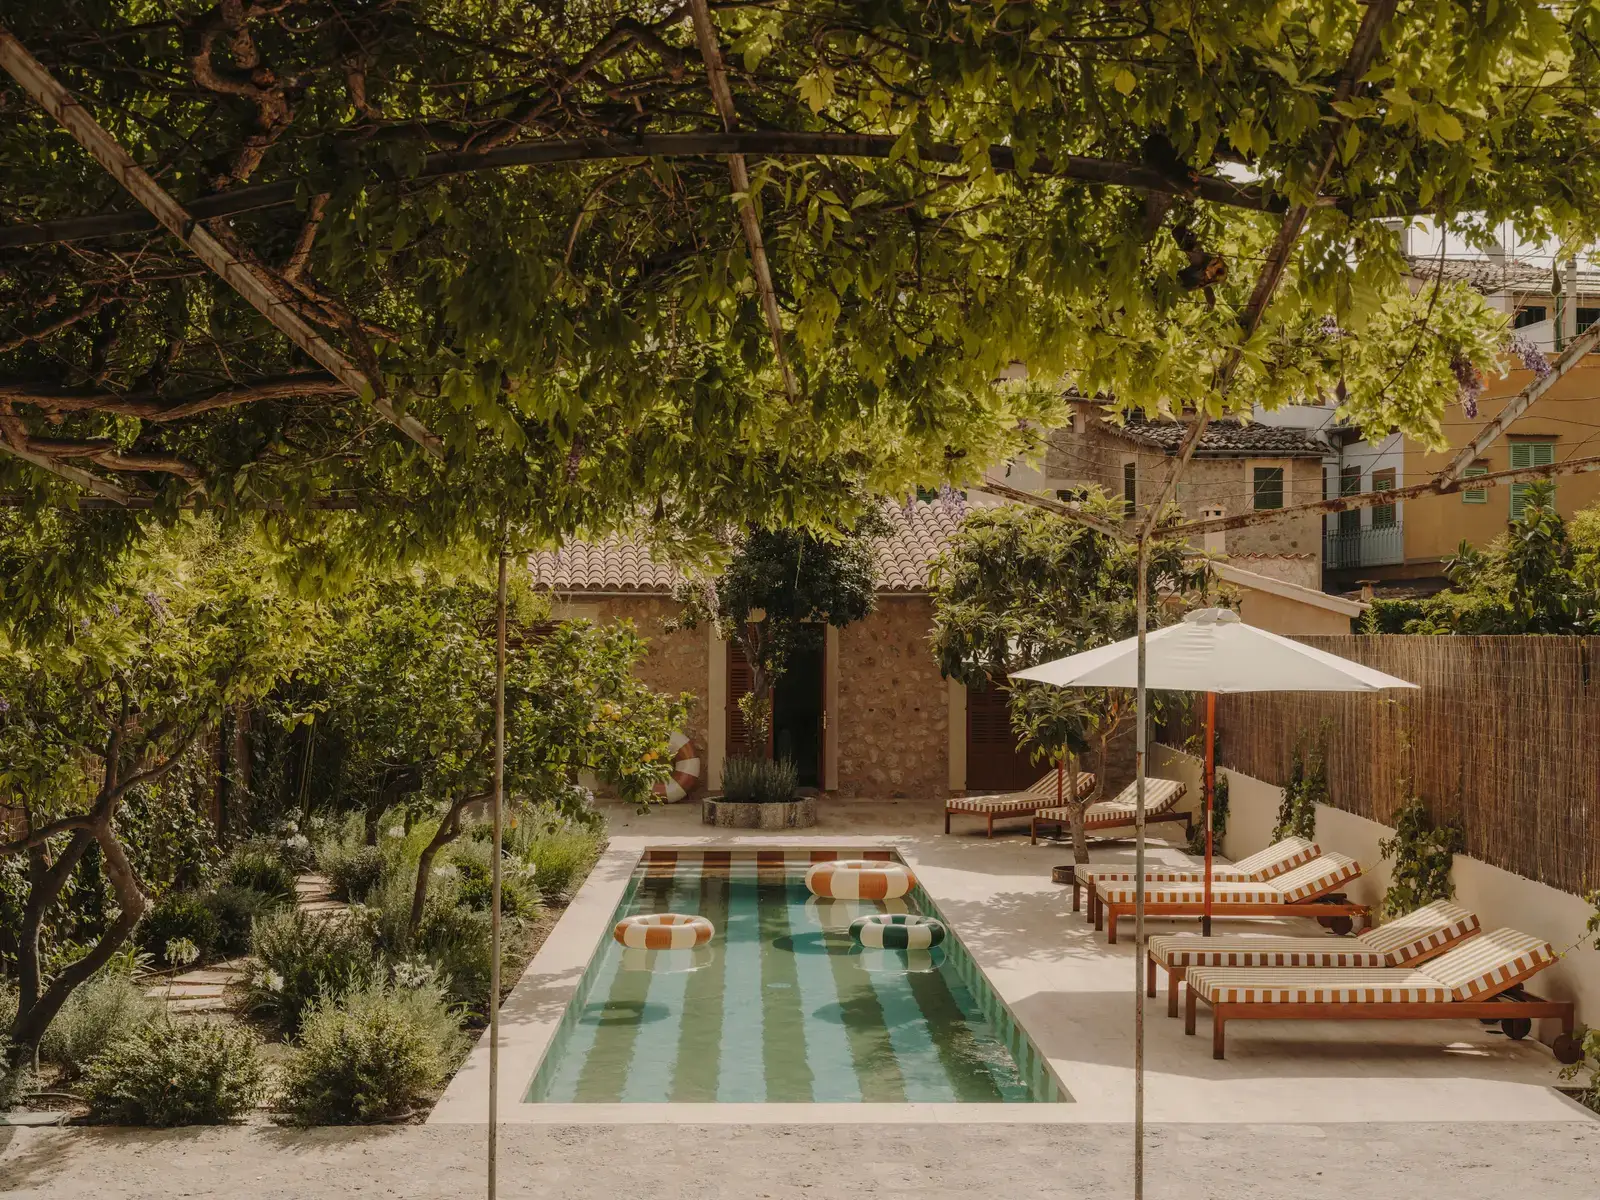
(1498, 897)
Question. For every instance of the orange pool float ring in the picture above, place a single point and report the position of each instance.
(663, 931)
(859, 879)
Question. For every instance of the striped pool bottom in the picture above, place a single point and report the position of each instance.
(782, 1006)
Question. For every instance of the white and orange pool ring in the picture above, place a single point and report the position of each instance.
(663, 931)
(685, 775)
(859, 879)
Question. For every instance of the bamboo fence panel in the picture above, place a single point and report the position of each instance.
(1503, 737)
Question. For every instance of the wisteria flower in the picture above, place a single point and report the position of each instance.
(1469, 383)
(1531, 357)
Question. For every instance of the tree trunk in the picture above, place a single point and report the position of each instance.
(447, 832)
(1080, 809)
(45, 884)
(33, 1020)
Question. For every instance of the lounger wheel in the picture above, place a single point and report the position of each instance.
(1339, 925)
(1516, 1028)
(1567, 1048)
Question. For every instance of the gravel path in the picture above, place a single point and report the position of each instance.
(1187, 1162)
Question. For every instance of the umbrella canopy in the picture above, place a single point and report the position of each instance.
(1212, 650)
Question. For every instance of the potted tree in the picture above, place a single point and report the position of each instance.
(775, 599)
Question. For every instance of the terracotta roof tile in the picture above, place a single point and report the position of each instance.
(623, 564)
(1225, 438)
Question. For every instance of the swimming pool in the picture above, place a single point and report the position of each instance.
(782, 1006)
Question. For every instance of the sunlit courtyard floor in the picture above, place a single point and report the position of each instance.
(1298, 1109)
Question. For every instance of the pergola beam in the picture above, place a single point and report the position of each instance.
(249, 280)
(84, 479)
(722, 97)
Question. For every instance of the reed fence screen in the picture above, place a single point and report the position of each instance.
(1503, 737)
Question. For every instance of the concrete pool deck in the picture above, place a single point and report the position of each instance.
(1071, 992)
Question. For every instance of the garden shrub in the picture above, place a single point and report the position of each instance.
(370, 1056)
(759, 780)
(97, 1014)
(237, 909)
(13, 1080)
(352, 871)
(258, 868)
(190, 1073)
(177, 916)
(473, 862)
(560, 858)
(297, 958)
(456, 941)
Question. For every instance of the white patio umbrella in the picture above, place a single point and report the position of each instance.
(1211, 650)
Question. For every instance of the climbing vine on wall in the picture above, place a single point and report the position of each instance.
(1307, 787)
(1422, 854)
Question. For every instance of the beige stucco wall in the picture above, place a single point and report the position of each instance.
(892, 726)
(1569, 412)
(1498, 897)
(1279, 614)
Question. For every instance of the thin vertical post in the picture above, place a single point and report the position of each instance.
(1141, 710)
(1211, 791)
(498, 817)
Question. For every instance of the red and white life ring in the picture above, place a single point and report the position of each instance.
(685, 775)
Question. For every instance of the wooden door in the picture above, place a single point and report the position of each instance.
(994, 762)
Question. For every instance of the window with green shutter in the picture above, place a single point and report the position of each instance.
(1527, 454)
(1267, 487)
(1475, 495)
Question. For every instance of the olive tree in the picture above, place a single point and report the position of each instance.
(95, 708)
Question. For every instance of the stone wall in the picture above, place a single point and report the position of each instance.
(894, 719)
(676, 662)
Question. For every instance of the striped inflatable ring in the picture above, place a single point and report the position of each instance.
(663, 931)
(897, 931)
(685, 775)
(858, 879)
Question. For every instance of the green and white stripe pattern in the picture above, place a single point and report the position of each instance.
(787, 1008)
(897, 931)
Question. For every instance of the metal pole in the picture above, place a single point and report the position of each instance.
(1140, 712)
(494, 867)
(1211, 789)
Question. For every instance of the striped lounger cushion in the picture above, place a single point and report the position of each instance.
(1159, 796)
(1258, 868)
(1188, 950)
(1316, 877)
(1393, 945)
(1018, 804)
(1479, 968)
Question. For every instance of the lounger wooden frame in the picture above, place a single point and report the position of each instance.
(1510, 1003)
(1227, 873)
(1326, 905)
(1118, 820)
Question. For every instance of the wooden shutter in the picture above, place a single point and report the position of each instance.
(740, 679)
(1527, 454)
(994, 763)
(1475, 495)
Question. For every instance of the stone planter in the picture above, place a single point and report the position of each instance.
(1067, 874)
(800, 813)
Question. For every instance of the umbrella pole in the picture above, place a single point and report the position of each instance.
(498, 801)
(1141, 711)
(1211, 788)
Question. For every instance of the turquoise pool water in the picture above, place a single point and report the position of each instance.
(782, 1006)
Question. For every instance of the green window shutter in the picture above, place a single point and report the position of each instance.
(1475, 495)
(1527, 454)
(1267, 486)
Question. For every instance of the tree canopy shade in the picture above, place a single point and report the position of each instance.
(1085, 188)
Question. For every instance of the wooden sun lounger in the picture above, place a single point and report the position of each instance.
(1402, 943)
(1015, 804)
(1266, 864)
(1161, 797)
(1307, 891)
(1479, 979)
